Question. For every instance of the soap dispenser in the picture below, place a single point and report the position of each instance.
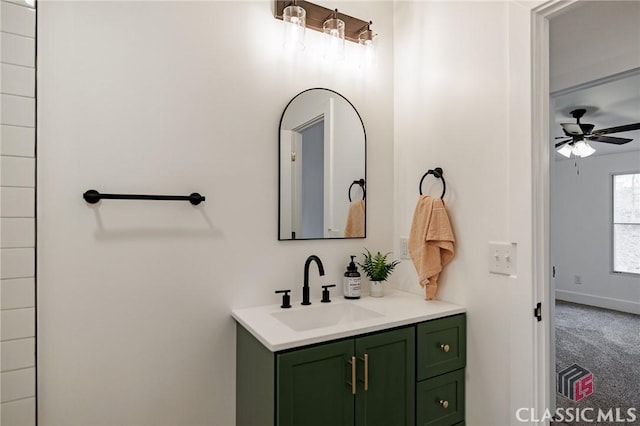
(352, 281)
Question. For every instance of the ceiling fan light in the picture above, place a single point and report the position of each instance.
(565, 150)
(582, 149)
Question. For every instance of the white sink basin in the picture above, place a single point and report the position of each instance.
(312, 317)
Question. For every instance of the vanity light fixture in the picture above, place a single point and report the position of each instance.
(316, 16)
(294, 18)
(333, 29)
(366, 39)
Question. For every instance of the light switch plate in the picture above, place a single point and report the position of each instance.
(404, 248)
(502, 258)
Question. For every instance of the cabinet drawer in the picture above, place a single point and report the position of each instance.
(440, 400)
(441, 346)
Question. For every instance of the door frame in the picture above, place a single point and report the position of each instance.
(544, 382)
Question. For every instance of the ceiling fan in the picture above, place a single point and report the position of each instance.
(579, 134)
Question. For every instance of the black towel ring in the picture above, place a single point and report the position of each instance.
(361, 183)
(437, 172)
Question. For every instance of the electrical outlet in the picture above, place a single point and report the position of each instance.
(577, 279)
(404, 248)
(502, 258)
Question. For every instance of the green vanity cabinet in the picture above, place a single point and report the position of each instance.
(314, 385)
(348, 382)
(441, 359)
(386, 361)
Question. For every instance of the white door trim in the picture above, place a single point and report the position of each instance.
(544, 385)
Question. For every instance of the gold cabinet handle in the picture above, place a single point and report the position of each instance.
(444, 403)
(365, 359)
(352, 383)
(444, 348)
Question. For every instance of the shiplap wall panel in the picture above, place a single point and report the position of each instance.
(16, 19)
(17, 232)
(17, 141)
(17, 354)
(18, 384)
(19, 413)
(17, 213)
(17, 50)
(17, 171)
(17, 293)
(17, 111)
(17, 202)
(17, 80)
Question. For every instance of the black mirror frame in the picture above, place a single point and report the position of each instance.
(364, 131)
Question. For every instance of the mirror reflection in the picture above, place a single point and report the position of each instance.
(322, 168)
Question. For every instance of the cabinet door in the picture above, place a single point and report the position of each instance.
(389, 373)
(441, 400)
(441, 346)
(313, 386)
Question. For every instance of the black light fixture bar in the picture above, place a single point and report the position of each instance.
(92, 196)
(316, 15)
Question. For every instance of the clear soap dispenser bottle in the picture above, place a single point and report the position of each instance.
(352, 281)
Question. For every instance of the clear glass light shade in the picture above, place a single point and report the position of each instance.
(566, 150)
(295, 22)
(368, 48)
(333, 29)
(582, 149)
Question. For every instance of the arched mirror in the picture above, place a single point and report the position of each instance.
(322, 168)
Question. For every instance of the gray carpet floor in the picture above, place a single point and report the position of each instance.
(607, 343)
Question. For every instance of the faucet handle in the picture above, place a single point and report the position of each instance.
(286, 299)
(325, 293)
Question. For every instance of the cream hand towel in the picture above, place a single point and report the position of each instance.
(355, 220)
(431, 242)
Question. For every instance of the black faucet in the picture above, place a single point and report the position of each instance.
(305, 287)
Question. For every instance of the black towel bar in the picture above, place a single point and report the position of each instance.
(438, 173)
(361, 183)
(92, 196)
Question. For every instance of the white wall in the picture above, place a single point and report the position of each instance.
(581, 232)
(595, 39)
(174, 97)
(17, 212)
(451, 87)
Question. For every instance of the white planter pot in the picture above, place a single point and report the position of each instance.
(376, 289)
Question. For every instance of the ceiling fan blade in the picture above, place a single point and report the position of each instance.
(609, 139)
(618, 129)
(562, 143)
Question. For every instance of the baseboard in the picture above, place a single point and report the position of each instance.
(599, 301)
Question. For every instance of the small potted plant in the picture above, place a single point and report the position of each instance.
(378, 270)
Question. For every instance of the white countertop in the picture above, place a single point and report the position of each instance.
(397, 308)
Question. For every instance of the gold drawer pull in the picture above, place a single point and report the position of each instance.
(444, 348)
(444, 404)
(352, 383)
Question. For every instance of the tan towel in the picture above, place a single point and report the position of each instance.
(355, 220)
(431, 242)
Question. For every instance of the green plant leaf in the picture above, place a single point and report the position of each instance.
(376, 266)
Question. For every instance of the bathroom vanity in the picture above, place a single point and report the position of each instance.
(397, 360)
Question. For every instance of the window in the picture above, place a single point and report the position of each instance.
(626, 223)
